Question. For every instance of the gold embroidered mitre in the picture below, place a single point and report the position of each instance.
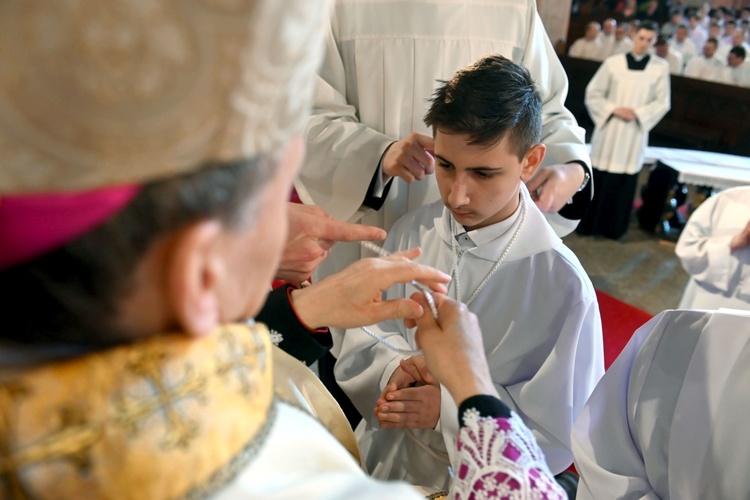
(170, 417)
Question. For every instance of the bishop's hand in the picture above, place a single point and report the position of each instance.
(453, 348)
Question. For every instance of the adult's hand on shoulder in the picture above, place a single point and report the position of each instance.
(553, 186)
(312, 233)
(410, 158)
(353, 297)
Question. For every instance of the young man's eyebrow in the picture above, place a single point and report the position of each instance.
(443, 160)
(474, 169)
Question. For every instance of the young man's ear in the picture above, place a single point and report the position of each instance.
(532, 160)
(195, 270)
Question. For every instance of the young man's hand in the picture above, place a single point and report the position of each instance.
(412, 398)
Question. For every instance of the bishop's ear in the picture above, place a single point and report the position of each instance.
(193, 277)
(532, 160)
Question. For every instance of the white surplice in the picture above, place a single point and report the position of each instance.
(739, 75)
(620, 47)
(718, 278)
(669, 418)
(383, 61)
(587, 49)
(705, 69)
(686, 48)
(618, 146)
(542, 336)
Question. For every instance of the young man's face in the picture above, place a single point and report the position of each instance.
(480, 184)
(642, 40)
(609, 26)
(592, 30)
(734, 61)
(709, 50)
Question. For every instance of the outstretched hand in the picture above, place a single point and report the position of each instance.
(353, 297)
(312, 233)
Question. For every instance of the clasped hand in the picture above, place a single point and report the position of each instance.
(411, 400)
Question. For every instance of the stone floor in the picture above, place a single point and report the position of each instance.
(641, 269)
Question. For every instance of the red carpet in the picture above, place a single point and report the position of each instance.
(619, 321)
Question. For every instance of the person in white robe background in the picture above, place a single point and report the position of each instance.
(706, 66)
(676, 19)
(622, 44)
(128, 249)
(368, 154)
(698, 34)
(737, 70)
(714, 249)
(627, 96)
(668, 418)
(684, 45)
(535, 304)
(673, 58)
(607, 37)
(590, 46)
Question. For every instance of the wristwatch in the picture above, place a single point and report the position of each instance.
(586, 179)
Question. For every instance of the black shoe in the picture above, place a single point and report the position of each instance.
(569, 482)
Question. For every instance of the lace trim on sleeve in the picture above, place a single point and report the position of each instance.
(499, 458)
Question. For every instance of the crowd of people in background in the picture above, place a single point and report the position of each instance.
(696, 40)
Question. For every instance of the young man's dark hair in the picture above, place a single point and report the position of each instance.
(738, 51)
(74, 291)
(490, 98)
(648, 25)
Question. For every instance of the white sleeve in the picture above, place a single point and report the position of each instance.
(575, 49)
(553, 398)
(605, 445)
(651, 113)
(564, 138)
(706, 257)
(364, 366)
(597, 101)
(692, 69)
(343, 154)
